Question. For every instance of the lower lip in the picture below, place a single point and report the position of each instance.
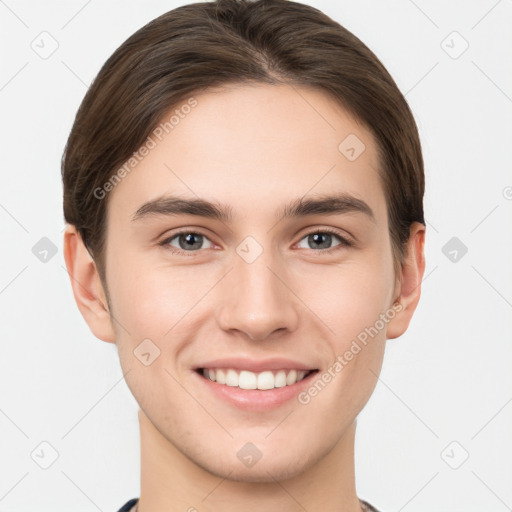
(256, 400)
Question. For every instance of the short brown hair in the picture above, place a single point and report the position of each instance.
(209, 44)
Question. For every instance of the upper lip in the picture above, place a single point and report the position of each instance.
(253, 365)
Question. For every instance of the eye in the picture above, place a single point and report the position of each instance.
(323, 240)
(187, 241)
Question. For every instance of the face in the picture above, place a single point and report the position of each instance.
(266, 289)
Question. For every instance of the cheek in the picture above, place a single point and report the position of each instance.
(150, 301)
(351, 305)
(152, 306)
(350, 298)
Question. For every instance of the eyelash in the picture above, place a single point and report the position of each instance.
(344, 242)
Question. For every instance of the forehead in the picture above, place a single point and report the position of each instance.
(253, 145)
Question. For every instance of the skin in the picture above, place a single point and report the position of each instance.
(255, 148)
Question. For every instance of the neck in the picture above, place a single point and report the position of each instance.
(172, 482)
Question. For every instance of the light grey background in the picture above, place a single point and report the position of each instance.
(445, 391)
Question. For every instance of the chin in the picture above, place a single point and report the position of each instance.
(263, 471)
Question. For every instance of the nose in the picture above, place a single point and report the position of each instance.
(257, 299)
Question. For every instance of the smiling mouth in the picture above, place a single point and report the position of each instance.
(245, 379)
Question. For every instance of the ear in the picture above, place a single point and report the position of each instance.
(87, 287)
(409, 286)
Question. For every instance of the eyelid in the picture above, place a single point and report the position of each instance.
(344, 238)
(345, 241)
(183, 231)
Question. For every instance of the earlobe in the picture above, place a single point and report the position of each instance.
(87, 287)
(412, 272)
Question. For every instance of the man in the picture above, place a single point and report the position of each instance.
(243, 186)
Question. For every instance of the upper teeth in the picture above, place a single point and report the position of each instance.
(249, 380)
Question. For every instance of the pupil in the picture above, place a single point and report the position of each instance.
(189, 240)
(192, 239)
(317, 238)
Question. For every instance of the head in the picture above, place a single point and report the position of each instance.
(250, 115)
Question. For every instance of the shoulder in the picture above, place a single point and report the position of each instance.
(367, 507)
(128, 505)
(131, 503)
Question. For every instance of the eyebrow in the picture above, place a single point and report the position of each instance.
(320, 205)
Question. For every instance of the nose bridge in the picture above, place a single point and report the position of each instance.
(255, 299)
